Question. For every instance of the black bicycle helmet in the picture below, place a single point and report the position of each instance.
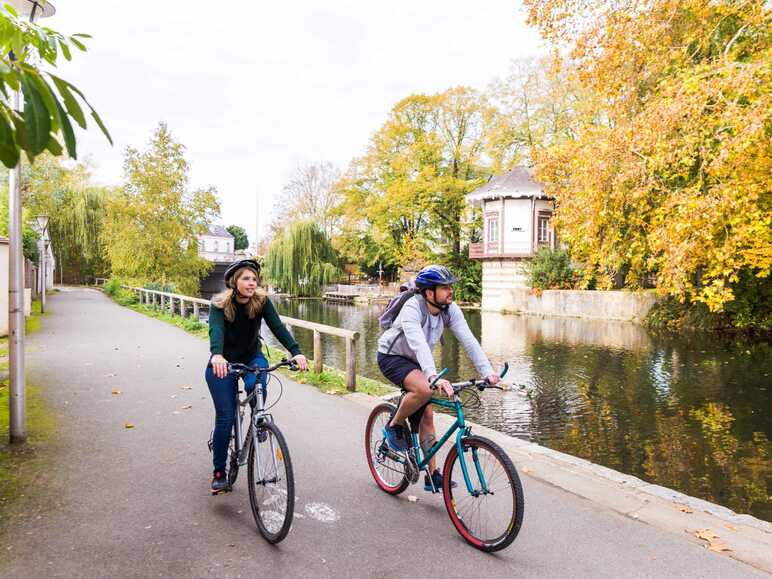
(237, 265)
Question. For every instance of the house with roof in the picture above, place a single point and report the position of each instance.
(217, 245)
(516, 223)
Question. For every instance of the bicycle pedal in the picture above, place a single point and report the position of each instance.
(221, 492)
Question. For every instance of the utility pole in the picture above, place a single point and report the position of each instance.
(17, 403)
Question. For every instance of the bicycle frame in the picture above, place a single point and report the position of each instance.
(460, 426)
(244, 441)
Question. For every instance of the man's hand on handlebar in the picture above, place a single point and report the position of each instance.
(445, 386)
(493, 379)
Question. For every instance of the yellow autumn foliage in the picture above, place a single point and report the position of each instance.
(668, 170)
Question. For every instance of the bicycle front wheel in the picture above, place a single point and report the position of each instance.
(271, 483)
(490, 517)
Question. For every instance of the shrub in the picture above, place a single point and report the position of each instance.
(550, 269)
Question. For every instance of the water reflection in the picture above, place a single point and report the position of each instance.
(690, 413)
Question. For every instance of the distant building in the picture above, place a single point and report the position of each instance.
(45, 249)
(516, 223)
(217, 245)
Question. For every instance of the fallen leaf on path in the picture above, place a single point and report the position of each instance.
(149, 527)
(187, 387)
(187, 407)
(705, 535)
(412, 498)
(331, 392)
(128, 425)
(685, 509)
(718, 547)
(731, 527)
(525, 469)
(115, 391)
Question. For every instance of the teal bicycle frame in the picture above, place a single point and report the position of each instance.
(463, 431)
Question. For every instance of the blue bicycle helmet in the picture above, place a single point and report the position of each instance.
(434, 275)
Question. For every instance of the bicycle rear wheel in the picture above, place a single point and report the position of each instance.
(491, 520)
(388, 473)
(271, 483)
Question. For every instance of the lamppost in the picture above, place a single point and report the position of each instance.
(43, 225)
(17, 406)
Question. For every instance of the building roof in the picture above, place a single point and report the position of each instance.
(218, 231)
(516, 184)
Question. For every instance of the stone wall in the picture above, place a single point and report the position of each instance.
(599, 305)
(505, 289)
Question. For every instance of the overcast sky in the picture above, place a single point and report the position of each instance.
(254, 88)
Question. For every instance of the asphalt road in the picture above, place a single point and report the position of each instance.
(135, 502)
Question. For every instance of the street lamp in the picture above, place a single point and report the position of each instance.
(43, 226)
(18, 423)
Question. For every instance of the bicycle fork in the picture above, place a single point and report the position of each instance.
(465, 469)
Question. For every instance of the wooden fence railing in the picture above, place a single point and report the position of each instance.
(166, 301)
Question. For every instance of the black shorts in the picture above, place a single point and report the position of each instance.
(396, 368)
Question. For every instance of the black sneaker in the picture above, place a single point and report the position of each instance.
(437, 480)
(220, 483)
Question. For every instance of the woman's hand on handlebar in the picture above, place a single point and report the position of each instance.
(301, 361)
(219, 366)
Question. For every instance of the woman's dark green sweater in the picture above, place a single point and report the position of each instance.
(239, 341)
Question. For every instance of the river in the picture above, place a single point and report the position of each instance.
(689, 412)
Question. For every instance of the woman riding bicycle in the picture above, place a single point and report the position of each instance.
(235, 317)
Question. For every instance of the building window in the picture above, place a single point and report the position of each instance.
(493, 229)
(543, 236)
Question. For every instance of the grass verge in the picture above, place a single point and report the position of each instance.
(21, 462)
(330, 380)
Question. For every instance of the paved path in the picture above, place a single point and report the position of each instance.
(135, 502)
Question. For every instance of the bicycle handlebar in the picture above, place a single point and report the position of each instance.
(237, 368)
(480, 384)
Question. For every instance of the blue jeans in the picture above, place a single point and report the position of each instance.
(224, 393)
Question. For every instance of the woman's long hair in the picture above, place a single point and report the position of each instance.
(226, 300)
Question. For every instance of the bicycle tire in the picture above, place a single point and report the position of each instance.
(280, 522)
(462, 508)
(379, 417)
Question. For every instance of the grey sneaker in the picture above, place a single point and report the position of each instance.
(220, 483)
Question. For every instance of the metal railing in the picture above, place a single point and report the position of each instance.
(166, 301)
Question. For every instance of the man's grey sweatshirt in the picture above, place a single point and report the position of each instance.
(408, 337)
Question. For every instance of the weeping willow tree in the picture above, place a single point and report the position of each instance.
(75, 207)
(301, 260)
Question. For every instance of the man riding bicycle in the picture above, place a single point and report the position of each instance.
(405, 356)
